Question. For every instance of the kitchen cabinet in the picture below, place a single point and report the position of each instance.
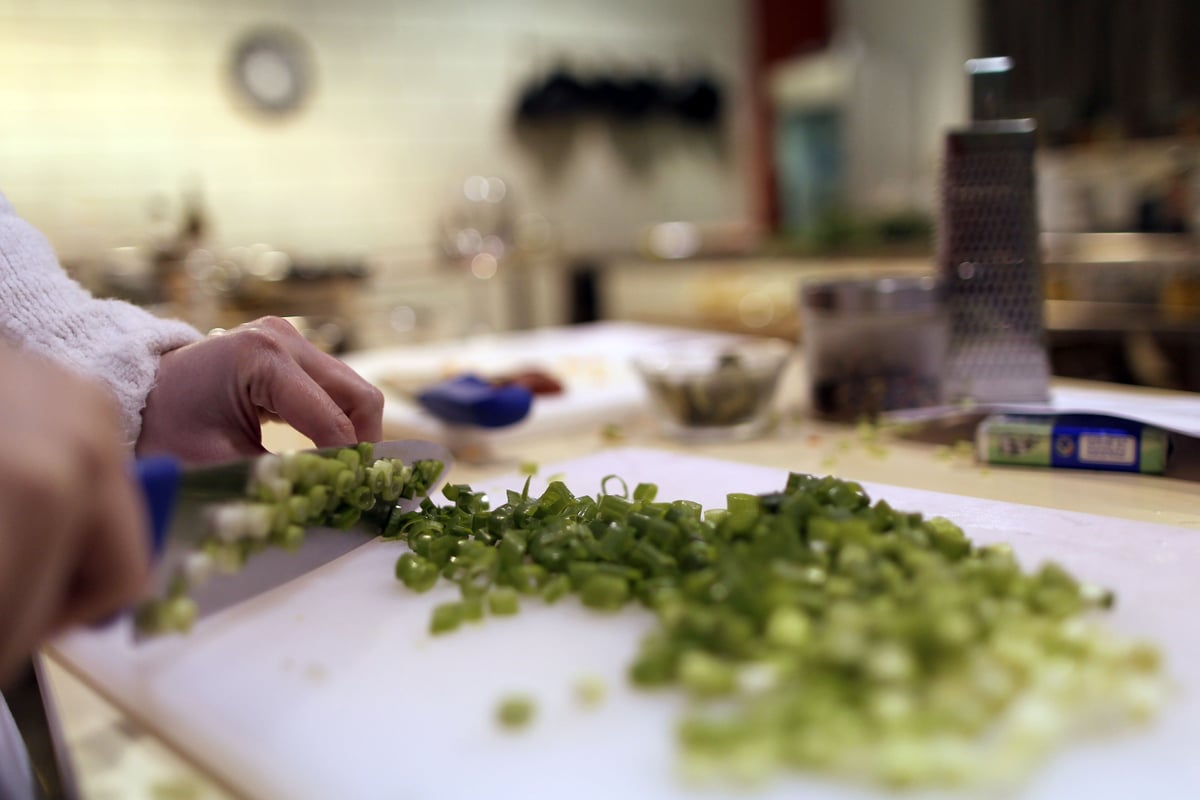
(1118, 307)
(1124, 307)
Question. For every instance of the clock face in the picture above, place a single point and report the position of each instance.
(272, 71)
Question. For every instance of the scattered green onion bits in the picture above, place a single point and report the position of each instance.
(515, 711)
(812, 628)
(286, 494)
(590, 691)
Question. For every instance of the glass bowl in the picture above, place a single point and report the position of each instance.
(714, 390)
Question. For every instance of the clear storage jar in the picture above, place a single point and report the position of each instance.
(873, 345)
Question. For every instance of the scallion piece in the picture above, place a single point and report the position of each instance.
(515, 711)
(503, 601)
(446, 617)
(590, 691)
(604, 592)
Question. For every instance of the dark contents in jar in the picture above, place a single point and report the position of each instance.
(854, 395)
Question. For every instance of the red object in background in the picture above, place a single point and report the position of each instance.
(782, 29)
(535, 380)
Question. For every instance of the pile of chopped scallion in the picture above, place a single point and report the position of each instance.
(287, 494)
(810, 628)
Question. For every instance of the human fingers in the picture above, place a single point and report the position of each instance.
(281, 387)
(40, 517)
(43, 497)
(113, 564)
(361, 402)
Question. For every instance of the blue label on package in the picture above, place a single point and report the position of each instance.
(1097, 443)
(1074, 441)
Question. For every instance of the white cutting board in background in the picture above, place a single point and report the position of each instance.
(330, 687)
(593, 362)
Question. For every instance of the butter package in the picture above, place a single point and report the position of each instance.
(1074, 441)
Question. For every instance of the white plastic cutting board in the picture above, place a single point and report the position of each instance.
(329, 687)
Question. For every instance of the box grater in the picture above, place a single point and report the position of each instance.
(988, 252)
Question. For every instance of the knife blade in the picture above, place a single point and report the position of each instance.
(179, 502)
(35, 710)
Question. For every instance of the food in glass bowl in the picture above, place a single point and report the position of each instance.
(714, 389)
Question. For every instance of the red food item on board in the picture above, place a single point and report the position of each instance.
(536, 381)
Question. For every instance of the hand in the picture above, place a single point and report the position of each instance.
(211, 397)
(73, 533)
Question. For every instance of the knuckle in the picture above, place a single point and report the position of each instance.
(345, 429)
(373, 397)
(260, 341)
(278, 325)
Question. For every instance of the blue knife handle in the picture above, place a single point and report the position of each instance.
(470, 400)
(158, 477)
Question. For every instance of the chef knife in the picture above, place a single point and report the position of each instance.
(178, 500)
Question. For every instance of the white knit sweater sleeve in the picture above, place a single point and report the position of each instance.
(42, 310)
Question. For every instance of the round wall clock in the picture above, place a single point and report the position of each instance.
(272, 71)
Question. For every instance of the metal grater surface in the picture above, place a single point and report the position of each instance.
(990, 266)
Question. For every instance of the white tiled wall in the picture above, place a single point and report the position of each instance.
(104, 103)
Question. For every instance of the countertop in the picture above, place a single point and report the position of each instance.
(114, 758)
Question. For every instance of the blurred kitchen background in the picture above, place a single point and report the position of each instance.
(392, 172)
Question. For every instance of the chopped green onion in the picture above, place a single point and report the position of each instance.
(503, 601)
(350, 457)
(604, 485)
(472, 609)
(810, 627)
(604, 592)
(556, 588)
(346, 517)
(645, 492)
(515, 711)
(590, 691)
(612, 432)
(416, 573)
(446, 617)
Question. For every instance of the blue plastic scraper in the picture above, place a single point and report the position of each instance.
(471, 400)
